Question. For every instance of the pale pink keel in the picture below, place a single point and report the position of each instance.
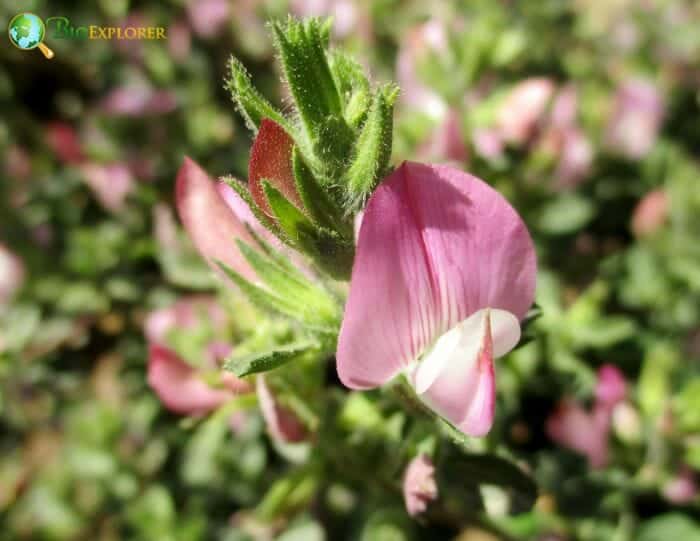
(438, 251)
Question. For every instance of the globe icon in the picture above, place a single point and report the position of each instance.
(26, 31)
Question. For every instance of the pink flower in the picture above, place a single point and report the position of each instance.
(11, 274)
(181, 388)
(611, 387)
(282, 424)
(212, 220)
(650, 214)
(419, 486)
(111, 183)
(62, 139)
(446, 142)
(179, 385)
(207, 17)
(444, 272)
(488, 143)
(682, 488)
(573, 427)
(138, 100)
(18, 163)
(186, 313)
(415, 93)
(521, 112)
(179, 41)
(347, 15)
(636, 118)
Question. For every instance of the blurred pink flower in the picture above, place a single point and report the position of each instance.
(488, 143)
(520, 114)
(611, 386)
(416, 94)
(651, 213)
(186, 313)
(571, 426)
(282, 424)
(111, 183)
(636, 118)
(446, 142)
(444, 272)
(179, 41)
(348, 15)
(682, 488)
(419, 486)
(62, 139)
(138, 100)
(208, 17)
(18, 164)
(165, 228)
(181, 388)
(12, 274)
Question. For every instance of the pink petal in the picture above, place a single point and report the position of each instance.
(281, 423)
(207, 17)
(179, 387)
(651, 213)
(63, 141)
(522, 110)
(419, 486)
(184, 314)
(271, 160)
(435, 246)
(574, 428)
(464, 390)
(11, 274)
(611, 387)
(446, 142)
(209, 222)
(636, 118)
(111, 183)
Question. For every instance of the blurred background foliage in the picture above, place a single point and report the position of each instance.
(584, 113)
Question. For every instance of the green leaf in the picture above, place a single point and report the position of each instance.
(669, 526)
(293, 287)
(251, 105)
(566, 214)
(269, 360)
(373, 149)
(290, 218)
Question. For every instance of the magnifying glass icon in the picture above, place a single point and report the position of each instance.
(27, 31)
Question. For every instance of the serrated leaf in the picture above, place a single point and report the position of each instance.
(266, 361)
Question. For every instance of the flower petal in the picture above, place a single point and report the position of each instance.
(419, 485)
(463, 386)
(435, 246)
(210, 223)
(271, 160)
(178, 386)
(282, 424)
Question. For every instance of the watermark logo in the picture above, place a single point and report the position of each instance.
(27, 32)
